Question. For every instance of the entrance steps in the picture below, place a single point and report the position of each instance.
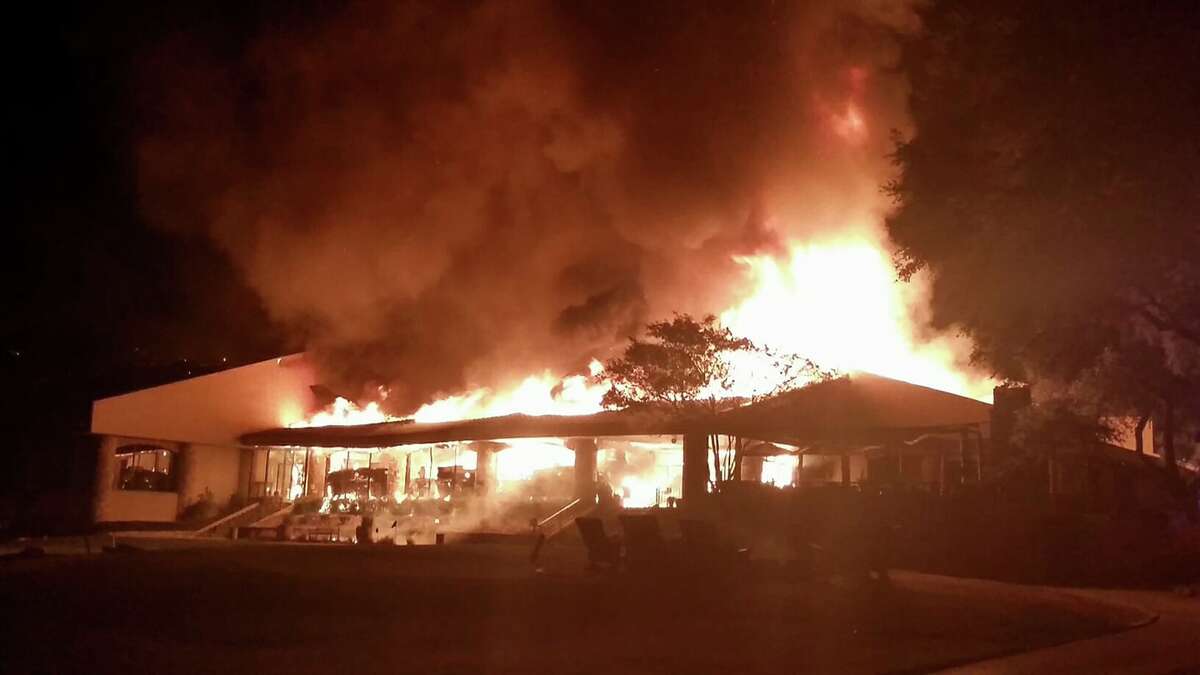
(260, 514)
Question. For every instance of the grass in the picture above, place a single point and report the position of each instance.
(480, 608)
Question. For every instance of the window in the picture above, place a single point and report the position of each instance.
(280, 473)
(145, 467)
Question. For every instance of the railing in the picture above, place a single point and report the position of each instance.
(225, 519)
(562, 518)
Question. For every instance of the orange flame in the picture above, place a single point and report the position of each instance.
(840, 304)
(542, 394)
(343, 412)
(837, 302)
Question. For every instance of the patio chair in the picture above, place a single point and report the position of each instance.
(645, 547)
(603, 550)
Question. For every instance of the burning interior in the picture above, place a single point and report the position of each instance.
(408, 481)
(410, 493)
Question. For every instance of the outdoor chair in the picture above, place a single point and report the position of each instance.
(645, 547)
(603, 550)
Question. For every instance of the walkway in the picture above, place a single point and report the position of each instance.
(1169, 644)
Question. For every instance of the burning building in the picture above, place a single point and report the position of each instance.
(246, 436)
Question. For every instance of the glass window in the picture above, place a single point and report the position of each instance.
(145, 467)
(284, 473)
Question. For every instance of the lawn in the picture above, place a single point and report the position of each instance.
(481, 608)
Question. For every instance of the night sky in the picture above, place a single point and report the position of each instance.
(105, 302)
(102, 302)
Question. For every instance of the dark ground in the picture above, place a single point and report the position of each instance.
(479, 608)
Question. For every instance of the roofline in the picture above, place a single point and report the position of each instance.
(277, 359)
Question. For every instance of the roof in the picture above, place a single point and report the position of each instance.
(855, 409)
(212, 409)
(388, 434)
(856, 404)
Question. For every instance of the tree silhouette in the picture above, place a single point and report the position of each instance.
(1052, 193)
(697, 368)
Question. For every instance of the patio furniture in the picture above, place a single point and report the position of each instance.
(603, 550)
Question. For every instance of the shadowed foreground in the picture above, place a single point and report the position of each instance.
(463, 608)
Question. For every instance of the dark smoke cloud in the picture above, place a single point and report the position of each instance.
(446, 195)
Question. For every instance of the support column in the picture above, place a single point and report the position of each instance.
(752, 468)
(485, 465)
(695, 466)
(187, 476)
(105, 475)
(585, 467)
(845, 469)
(314, 473)
(245, 467)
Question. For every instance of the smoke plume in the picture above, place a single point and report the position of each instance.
(447, 195)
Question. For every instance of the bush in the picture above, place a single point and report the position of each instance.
(203, 508)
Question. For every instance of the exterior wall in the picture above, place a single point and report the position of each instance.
(213, 409)
(112, 505)
(196, 468)
(136, 506)
(212, 468)
(245, 463)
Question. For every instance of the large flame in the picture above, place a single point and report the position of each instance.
(840, 304)
(343, 412)
(542, 394)
(837, 302)
(525, 456)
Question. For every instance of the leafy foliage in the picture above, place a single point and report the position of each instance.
(1053, 195)
(696, 366)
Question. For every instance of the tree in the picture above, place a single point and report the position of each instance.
(1052, 194)
(696, 368)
